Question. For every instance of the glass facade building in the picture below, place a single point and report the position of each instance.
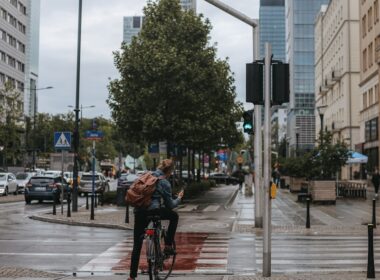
(132, 25)
(300, 18)
(272, 27)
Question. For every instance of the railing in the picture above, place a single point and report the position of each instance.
(353, 189)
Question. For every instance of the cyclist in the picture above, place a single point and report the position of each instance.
(163, 191)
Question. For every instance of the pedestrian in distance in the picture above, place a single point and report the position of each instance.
(163, 192)
(239, 174)
(376, 180)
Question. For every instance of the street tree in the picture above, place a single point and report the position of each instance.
(172, 87)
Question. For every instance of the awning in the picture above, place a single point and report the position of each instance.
(356, 157)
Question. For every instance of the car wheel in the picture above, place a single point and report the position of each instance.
(6, 191)
(40, 200)
(15, 192)
(27, 201)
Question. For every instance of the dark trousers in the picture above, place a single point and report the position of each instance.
(140, 225)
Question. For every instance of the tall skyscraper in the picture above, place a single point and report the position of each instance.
(272, 30)
(300, 18)
(272, 27)
(132, 25)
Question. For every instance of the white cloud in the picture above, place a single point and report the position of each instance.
(102, 28)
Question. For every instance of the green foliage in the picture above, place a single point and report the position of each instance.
(196, 188)
(322, 163)
(172, 87)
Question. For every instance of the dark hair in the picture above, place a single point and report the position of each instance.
(166, 166)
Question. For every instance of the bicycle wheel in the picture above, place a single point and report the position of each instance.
(151, 257)
(166, 262)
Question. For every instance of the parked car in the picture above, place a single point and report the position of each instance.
(101, 183)
(22, 178)
(44, 187)
(222, 178)
(8, 183)
(55, 173)
(126, 180)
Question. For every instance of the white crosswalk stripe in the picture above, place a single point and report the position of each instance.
(317, 253)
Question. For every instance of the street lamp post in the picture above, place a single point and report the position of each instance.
(34, 90)
(321, 111)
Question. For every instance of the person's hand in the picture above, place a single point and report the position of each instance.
(180, 194)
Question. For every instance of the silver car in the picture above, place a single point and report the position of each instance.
(8, 183)
(101, 183)
(22, 178)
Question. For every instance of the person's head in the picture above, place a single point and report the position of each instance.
(376, 169)
(166, 166)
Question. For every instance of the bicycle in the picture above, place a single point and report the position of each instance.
(160, 265)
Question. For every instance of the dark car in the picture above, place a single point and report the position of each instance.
(101, 183)
(45, 188)
(126, 180)
(222, 178)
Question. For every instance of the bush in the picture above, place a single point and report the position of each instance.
(109, 197)
(195, 188)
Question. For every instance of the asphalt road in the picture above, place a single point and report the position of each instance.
(45, 246)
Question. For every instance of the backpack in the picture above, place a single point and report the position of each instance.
(140, 192)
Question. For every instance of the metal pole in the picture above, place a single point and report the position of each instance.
(371, 259)
(374, 212)
(267, 165)
(34, 129)
(308, 212)
(76, 132)
(62, 158)
(93, 181)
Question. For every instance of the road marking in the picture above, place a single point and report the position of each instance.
(211, 208)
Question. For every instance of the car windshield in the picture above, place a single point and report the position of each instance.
(21, 176)
(89, 177)
(123, 176)
(41, 180)
(2, 177)
(131, 177)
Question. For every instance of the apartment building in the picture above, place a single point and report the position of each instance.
(337, 73)
(369, 81)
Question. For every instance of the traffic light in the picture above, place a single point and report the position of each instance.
(248, 122)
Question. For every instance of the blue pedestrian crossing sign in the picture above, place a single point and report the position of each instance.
(62, 140)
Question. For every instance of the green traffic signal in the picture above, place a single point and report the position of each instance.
(248, 122)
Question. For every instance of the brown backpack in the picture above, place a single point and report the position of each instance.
(140, 192)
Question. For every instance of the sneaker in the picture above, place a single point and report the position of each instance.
(169, 251)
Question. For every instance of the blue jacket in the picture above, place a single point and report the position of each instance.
(163, 193)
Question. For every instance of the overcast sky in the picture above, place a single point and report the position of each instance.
(102, 33)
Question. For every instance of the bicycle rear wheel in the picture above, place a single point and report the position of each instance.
(166, 262)
(151, 256)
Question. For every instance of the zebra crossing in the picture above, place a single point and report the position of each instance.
(201, 253)
(328, 253)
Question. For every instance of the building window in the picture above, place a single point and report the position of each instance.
(13, 2)
(376, 93)
(370, 54)
(370, 97)
(364, 100)
(371, 130)
(136, 22)
(376, 11)
(4, 14)
(370, 19)
(365, 60)
(364, 26)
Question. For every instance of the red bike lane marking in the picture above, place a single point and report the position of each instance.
(189, 249)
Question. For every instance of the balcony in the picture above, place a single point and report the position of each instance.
(329, 83)
(323, 90)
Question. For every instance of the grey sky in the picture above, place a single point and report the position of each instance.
(102, 24)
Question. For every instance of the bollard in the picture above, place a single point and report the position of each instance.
(126, 213)
(308, 212)
(54, 207)
(92, 207)
(86, 201)
(374, 213)
(68, 204)
(371, 260)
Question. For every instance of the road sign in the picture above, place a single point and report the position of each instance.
(62, 140)
(93, 135)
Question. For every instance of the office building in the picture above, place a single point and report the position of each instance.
(369, 81)
(133, 24)
(337, 73)
(300, 18)
(14, 25)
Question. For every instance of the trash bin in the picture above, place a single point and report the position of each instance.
(282, 183)
(120, 195)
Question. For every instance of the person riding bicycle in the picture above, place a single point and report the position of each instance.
(163, 192)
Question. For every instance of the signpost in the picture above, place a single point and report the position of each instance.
(62, 142)
(93, 135)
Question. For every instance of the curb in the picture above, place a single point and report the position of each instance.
(231, 199)
(74, 223)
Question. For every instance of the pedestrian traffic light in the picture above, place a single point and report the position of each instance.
(248, 122)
